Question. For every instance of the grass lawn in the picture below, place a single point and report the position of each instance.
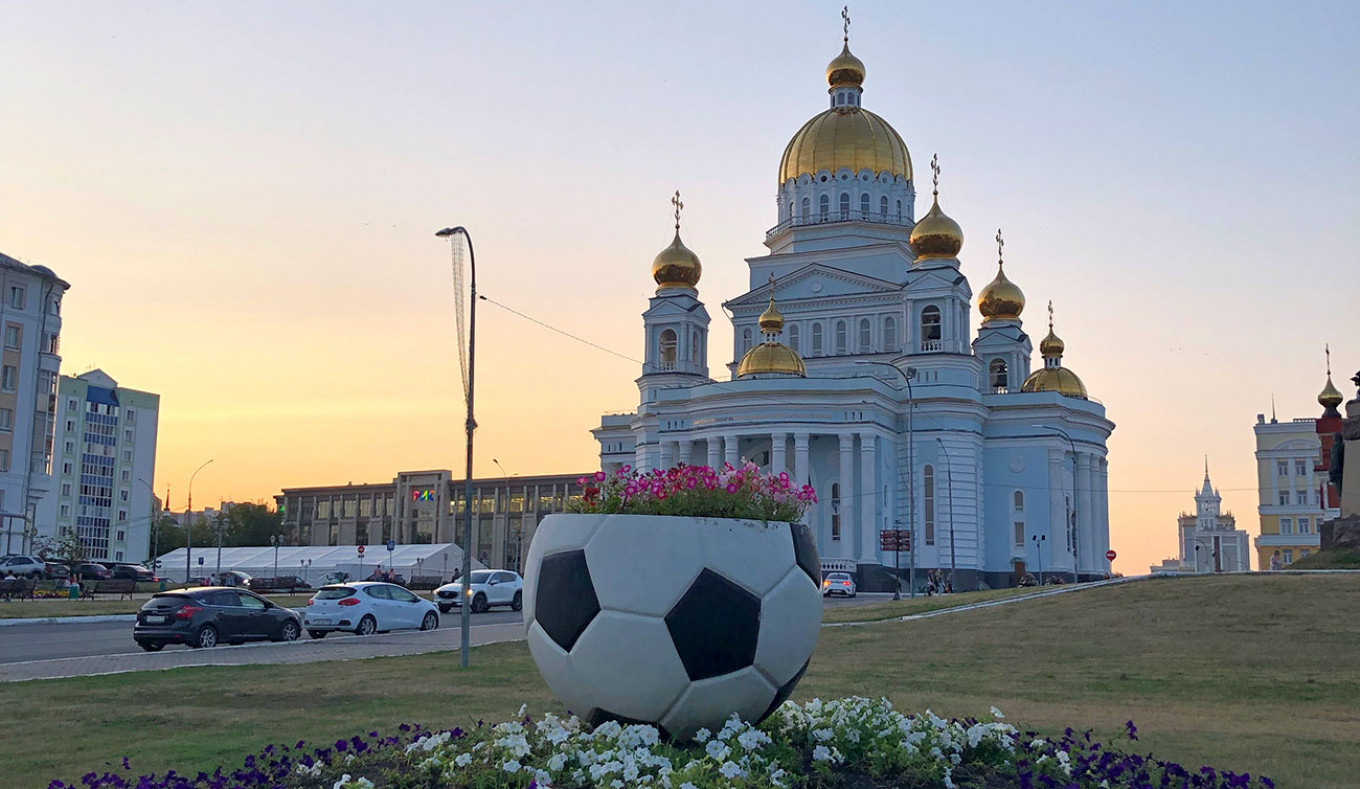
(32, 609)
(1335, 559)
(895, 609)
(1249, 673)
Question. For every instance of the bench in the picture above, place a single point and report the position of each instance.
(18, 588)
(123, 587)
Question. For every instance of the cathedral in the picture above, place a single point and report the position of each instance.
(855, 369)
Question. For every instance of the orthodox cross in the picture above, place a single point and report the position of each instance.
(1050, 315)
(679, 206)
(999, 244)
(845, 15)
(935, 168)
(1327, 348)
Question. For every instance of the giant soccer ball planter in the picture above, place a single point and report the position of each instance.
(677, 622)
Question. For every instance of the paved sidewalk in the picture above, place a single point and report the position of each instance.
(336, 647)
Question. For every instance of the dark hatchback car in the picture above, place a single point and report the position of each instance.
(133, 572)
(207, 616)
(91, 571)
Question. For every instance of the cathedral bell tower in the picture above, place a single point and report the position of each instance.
(675, 323)
(1002, 345)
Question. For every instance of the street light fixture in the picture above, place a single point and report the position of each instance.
(276, 540)
(949, 475)
(471, 425)
(907, 375)
(1039, 540)
(519, 532)
(189, 526)
(1073, 526)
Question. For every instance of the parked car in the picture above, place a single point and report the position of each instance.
(23, 566)
(365, 608)
(57, 571)
(92, 571)
(488, 588)
(234, 578)
(135, 572)
(839, 583)
(207, 616)
(282, 583)
(336, 577)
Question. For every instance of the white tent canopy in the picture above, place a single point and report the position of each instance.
(314, 562)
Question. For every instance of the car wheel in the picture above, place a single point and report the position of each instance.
(290, 631)
(430, 622)
(444, 609)
(205, 638)
(852, 594)
(318, 634)
(517, 604)
(151, 646)
(367, 626)
(479, 605)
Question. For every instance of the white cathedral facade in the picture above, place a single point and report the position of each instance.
(856, 370)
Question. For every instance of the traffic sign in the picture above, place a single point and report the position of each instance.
(361, 550)
(391, 545)
(1110, 554)
(894, 540)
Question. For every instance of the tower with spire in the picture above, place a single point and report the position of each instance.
(1328, 428)
(1002, 344)
(1210, 540)
(675, 324)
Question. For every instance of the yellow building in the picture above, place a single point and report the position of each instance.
(1290, 489)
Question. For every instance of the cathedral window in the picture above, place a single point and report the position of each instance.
(745, 340)
(668, 345)
(835, 510)
(883, 206)
(807, 207)
(865, 335)
(928, 485)
(845, 205)
(997, 372)
(1019, 500)
(824, 206)
(899, 209)
(930, 323)
(1019, 533)
(694, 347)
(864, 205)
(816, 339)
(841, 339)
(793, 336)
(889, 331)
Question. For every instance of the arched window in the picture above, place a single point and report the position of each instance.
(864, 206)
(745, 340)
(694, 347)
(865, 335)
(899, 210)
(997, 371)
(845, 205)
(930, 324)
(807, 207)
(928, 494)
(841, 339)
(790, 209)
(824, 206)
(883, 206)
(1019, 499)
(889, 334)
(816, 339)
(794, 336)
(835, 510)
(668, 343)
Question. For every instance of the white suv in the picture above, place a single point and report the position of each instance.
(488, 588)
(23, 567)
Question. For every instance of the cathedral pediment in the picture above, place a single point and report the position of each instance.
(817, 281)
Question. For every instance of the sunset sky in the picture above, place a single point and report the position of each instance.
(244, 198)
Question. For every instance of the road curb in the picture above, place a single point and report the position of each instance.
(67, 620)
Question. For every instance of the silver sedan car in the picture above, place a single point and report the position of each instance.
(838, 583)
(365, 608)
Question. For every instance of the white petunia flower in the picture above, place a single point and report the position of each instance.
(463, 760)
(731, 770)
(821, 754)
(996, 713)
(717, 750)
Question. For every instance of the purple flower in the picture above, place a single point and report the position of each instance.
(1133, 730)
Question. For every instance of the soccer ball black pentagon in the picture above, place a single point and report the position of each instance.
(677, 622)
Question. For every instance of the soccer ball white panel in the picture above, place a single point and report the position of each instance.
(626, 664)
(753, 554)
(564, 534)
(557, 668)
(790, 619)
(624, 568)
(708, 702)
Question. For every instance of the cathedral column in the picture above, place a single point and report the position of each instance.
(800, 460)
(779, 452)
(665, 457)
(868, 474)
(730, 456)
(1057, 508)
(846, 454)
(714, 451)
(687, 452)
(1086, 534)
(1102, 502)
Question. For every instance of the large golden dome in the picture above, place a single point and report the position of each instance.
(936, 235)
(1329, 397)
(1055, 379)
(845, 69)
(676, 266)
(1001, 300)
(849, 137)
(771, 357)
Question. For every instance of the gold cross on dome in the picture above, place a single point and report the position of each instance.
(1050, 314)
(845, 15)
(679, 206)
(1327, 348)
(935, 168)
(1000, 242)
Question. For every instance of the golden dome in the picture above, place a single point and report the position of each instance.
(771, 320)
(1329, 397)
(936, 235)
(845, 137)
(1055, 379)
(1001, 300)
(846, 69)
(771, 357)
(676, 266)
(1052, 345)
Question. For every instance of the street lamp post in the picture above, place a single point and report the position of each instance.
(219, 547)
(519, 532)
(470, 425)
(189, 525)
(276, 540)
(1073, 526)
(1039, 540)
(907, 375)
(949, 475)
(155, 526)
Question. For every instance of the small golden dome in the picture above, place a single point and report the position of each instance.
(676, 266)
(771, 320)
(1001, 300)
(845, 137)
(1055, 379)
(1329, 397)
(771, 357)
(936, 235)
(845, 70)
(1052, 345)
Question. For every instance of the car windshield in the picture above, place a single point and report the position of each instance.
(481, 576)
(334, 593)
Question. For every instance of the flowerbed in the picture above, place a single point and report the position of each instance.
(696, 491)
(855, 743)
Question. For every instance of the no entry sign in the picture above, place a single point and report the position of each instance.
(1110, 554)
